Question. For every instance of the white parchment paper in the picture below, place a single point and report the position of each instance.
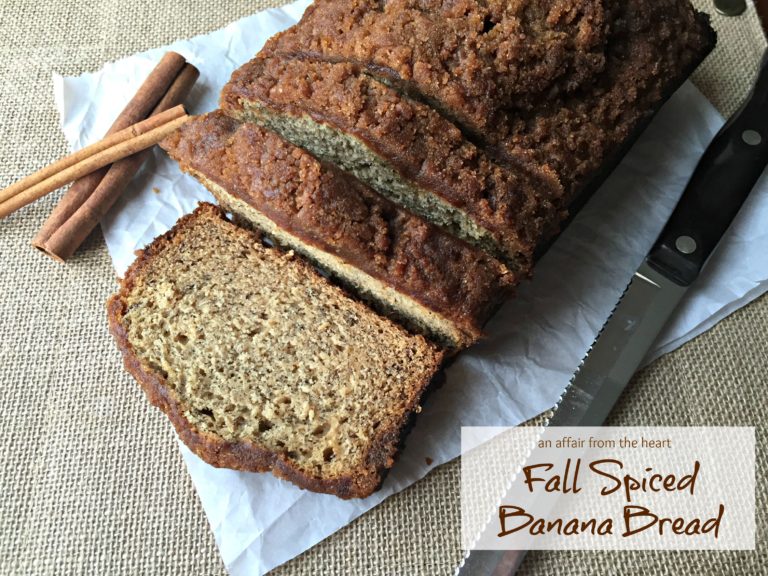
(535, 343)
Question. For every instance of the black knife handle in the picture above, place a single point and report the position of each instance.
(723, 179)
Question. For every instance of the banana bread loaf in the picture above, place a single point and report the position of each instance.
(424, 276)
(261, 364)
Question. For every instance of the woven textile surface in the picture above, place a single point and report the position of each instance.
(91, 480)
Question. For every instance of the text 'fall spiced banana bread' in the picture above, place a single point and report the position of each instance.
(413, 270)
(261, 364)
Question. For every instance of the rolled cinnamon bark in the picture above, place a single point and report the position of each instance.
(146, 137)
(57, 171)
(179, 90)
(146, 101)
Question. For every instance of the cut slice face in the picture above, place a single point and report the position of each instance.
(261, 364)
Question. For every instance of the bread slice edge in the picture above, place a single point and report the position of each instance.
(245, 455)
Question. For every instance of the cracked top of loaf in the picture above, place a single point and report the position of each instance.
(480, 61)
(653, 46)
(469, 57)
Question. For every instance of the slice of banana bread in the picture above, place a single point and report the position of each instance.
(261, 364)
(425, 277)
(402, 148)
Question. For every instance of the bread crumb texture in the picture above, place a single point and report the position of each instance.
(256, 352)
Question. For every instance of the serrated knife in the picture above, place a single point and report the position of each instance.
(723, 179)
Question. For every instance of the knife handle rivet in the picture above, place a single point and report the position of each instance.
(751, 137)
(730, 7)
(685, 245)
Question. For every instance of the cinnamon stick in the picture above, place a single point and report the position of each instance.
(144, 140)
(114, 139)
(179, 90)
(68, 236)
(140, 106)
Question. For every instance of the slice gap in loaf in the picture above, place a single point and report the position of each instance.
(403, 149)
(387, 300)
(261, 364)
(351, 154)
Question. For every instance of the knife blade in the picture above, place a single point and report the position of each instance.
(722, 181)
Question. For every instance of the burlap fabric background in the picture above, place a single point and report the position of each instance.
(91, 480)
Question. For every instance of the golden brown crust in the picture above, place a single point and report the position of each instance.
(245, 455)
(334, 212)
(470, 58)
(653, 46)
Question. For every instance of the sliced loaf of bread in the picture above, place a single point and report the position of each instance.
(261, 364)
(428, 279)
(623, 59)
(402, 148)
